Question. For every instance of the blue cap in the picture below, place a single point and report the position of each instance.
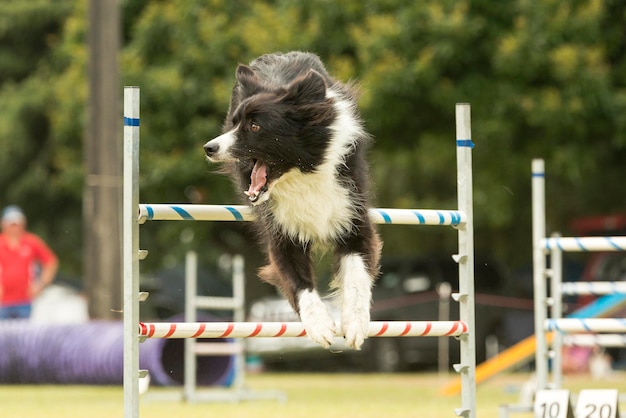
(13, 214)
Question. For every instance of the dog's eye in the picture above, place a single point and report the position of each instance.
(254, 127)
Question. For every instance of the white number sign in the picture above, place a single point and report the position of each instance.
(552, 404)
(597, 403)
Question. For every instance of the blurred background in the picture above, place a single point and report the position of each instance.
(545, 79)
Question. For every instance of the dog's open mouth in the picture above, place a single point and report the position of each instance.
(258, 192)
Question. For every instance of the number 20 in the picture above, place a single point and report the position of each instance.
(604, 411)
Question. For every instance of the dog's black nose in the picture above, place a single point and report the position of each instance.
(210, 148)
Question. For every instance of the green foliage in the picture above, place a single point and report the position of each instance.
(544, 80)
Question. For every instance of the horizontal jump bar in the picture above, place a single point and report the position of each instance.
(592, 288)
(585, 243)
(592, 340)
(174, 212)
(586, 325)
(294, 329)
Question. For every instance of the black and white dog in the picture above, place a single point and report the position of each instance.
(295, 145)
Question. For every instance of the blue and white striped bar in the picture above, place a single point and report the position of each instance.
(173, 212)
(573, 325)
(592, 288)
(585, 243)
(593, 340)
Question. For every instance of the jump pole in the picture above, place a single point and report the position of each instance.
(592, 288)
(186, 212)
(131, 252)
(461, 219)
(295, 329)
(465, 259)
(572, 325)
(539, 270)
(584, 244)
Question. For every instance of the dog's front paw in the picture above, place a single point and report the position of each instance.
(355, 327)
(321, 330)
(319, 325)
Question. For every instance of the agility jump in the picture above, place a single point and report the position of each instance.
(295, 329)
(461, 220)
(554, 247)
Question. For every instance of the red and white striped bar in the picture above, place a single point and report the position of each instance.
(593, 340)
(593, 288)
(175, 212)
(585, 243)
(572, 325)
(294, 329)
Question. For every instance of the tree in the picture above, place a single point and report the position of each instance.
(544, 80)
(30, 34)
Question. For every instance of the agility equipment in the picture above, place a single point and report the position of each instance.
(173, 212)
(584, 243)
(134, 213)
(295, 329)
(524, 350)
(592, 288)
(91, 353)
(553, 247)
(571, 325)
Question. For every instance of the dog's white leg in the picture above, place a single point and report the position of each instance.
(318, 323)
(355, 287)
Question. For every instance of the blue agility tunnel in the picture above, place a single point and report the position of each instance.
(93, 353)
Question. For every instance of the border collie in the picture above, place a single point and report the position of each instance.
(295, 145)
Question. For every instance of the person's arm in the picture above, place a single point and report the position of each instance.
(48, 272)
(49, 266)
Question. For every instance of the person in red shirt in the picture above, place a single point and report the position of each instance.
(27, 265)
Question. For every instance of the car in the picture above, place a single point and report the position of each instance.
(407, 289)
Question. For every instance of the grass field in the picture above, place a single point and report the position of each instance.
(309, 395)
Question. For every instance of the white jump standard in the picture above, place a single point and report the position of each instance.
(554, 247)
(461, 220)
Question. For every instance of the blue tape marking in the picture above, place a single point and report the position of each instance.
(183, 213)
(131, 121)
(614, 244)
(385, 216)
(539, 174)
(464, 143)
(238, 216)
(442, 218)
(580, 244)
(420, 217)
(150, 212)
(456, 218)
(585, 325)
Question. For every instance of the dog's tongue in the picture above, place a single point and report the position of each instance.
(257, 179)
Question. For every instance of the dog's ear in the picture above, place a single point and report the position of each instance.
(247, 80)
(310, 88)
(243, 71)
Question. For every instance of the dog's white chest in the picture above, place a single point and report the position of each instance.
(311, 206)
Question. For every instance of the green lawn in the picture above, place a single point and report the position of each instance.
(309, 395)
